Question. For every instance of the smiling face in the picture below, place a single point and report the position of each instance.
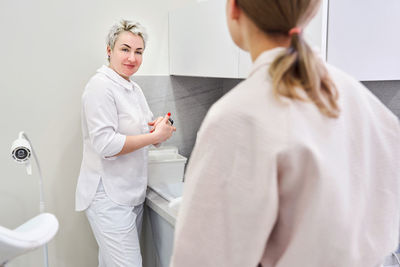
(126, 56)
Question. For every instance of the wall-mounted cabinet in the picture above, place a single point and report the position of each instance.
(364, 39)
(200, 44)
(357, 36)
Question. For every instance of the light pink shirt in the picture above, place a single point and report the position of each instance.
(279, 183)
(112, 108)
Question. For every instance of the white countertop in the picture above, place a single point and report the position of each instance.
(160, 206)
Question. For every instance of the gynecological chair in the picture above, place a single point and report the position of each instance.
(33, 234)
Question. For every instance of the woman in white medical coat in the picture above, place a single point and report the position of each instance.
(298, 165)
(115, 124)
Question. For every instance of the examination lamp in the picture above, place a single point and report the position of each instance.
(21, 152)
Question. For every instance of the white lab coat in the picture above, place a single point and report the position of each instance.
(279, 183)
(112, 108)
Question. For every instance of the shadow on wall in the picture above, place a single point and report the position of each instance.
(192, 97)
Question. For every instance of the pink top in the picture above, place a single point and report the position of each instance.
(279, 183)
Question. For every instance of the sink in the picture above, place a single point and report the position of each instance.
(168, 191)
(165, 166)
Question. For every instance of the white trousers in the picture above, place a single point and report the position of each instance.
(116, 229)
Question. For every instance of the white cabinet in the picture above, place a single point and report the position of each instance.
(200, 44)
(359, 36)
(363, 38)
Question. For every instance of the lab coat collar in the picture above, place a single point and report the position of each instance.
(266, 58)
(110, 73)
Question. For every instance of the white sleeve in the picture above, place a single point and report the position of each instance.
(102, 121)
(230, 200)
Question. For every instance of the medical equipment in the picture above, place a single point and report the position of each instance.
(28, 236)
(169, 119)
(21, 151)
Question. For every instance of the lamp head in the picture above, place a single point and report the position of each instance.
(21, 151)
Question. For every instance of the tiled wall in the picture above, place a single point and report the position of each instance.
(189, 98)
(388, 92)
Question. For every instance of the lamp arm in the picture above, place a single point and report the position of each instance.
(41, 192)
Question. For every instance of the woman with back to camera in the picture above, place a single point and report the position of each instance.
(115, 125)
(297, 165)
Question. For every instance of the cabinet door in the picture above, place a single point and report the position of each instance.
(200, 44)
(363, 38)
(199, 41)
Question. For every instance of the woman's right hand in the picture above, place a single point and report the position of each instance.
(154, 123)
(163, 130)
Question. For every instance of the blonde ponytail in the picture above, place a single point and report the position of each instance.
(300, 68)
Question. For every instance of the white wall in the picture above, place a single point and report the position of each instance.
(49, 50)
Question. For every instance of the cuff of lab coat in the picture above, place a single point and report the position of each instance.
(115, 146)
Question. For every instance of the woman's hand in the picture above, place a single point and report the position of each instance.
(154, 123)
(163, 129)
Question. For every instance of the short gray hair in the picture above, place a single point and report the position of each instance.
(125, 25)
